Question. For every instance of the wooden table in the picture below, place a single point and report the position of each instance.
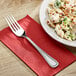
(10, 64)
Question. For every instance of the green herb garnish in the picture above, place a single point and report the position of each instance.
(57, 3)
(65, 19)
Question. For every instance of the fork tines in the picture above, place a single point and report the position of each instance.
(13, 24)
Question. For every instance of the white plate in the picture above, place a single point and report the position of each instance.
(43, 16)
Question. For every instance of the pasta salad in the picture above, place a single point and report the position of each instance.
(62, 17)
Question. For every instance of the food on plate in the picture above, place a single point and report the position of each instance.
(62, 17)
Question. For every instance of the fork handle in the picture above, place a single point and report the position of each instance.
(51, 61)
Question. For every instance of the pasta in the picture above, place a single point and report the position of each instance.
(62, 17)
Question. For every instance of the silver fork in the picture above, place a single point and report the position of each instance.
(19, 31)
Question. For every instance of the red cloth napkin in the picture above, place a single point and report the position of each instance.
(26, 52)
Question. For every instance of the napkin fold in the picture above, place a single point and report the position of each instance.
(28, 54)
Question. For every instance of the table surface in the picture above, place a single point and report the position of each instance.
(10, 64)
